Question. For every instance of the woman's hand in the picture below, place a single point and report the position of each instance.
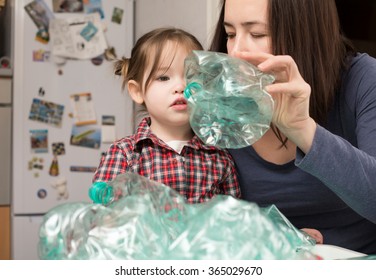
(315, 234)
(291, 97)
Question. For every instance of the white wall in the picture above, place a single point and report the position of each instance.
(195, 16)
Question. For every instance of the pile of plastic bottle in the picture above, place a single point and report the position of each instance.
(147, 220)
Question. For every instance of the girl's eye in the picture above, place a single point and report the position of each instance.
(163, 78)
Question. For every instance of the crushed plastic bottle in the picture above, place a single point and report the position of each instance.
(166, 203)
(229, 107)
(148, 220)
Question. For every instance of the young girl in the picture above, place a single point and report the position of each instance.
(164, 147)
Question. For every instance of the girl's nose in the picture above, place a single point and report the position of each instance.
(180, 86)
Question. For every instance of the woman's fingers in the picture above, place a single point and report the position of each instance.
(292, 88)
(315, 234)
(283, 67)
(291, 96)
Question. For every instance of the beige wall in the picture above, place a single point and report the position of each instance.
(195, 16)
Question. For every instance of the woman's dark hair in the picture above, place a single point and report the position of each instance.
(309, 31)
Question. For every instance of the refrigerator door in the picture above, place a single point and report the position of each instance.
(5, 91)
(25, 237)
(5, 150)
(42, 179)
(5, 139)
(52, 163)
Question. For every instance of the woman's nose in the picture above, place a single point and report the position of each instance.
(240, 44)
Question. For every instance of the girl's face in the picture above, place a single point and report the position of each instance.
(246, 25)
(163, 97)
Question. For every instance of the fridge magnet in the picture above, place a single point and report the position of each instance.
(89, 31)
(97, 60)
(86, 136)
(40, 13)
(58, 149)
(108, 129)
(83, 109)
(42, 36)
(42, 193)
(41, 91)
(110, 53)
(67, 6)
(60, 185)
(41, 56)
(93, 6)
(88, 169)
(46, 112)
(39, 140)
(54, 167)
(117, 15)
(36, 163)
(67, 42)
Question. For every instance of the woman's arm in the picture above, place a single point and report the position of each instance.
(347, 170)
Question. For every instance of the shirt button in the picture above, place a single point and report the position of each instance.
(175, 161)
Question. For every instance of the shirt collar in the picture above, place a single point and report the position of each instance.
(143, 133)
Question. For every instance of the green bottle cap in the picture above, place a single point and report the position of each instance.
(191, 88)
(101, 192)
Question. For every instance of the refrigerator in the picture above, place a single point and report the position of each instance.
(5, 137)
(68, 106)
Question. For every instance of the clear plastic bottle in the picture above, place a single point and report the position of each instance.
(229, 107)
(140, 219)
(132, 184)
(147, 220)
(164, 201)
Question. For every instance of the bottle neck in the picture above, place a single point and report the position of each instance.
(101, 193)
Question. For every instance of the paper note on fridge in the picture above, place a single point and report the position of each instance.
(77, 37)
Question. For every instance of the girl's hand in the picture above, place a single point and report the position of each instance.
(291, 97)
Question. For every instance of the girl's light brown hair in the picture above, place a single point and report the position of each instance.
(148, 51)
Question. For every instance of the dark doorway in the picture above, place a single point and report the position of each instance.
(358, 21)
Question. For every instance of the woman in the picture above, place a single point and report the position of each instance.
(317, 162)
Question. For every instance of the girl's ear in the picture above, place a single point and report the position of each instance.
(135, 91)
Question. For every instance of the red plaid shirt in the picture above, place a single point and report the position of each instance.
(198, 173)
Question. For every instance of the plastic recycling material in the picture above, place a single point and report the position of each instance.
(229, 107)
(148, 220)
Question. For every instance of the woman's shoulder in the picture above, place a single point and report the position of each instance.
(361, 73)
(362, 63)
